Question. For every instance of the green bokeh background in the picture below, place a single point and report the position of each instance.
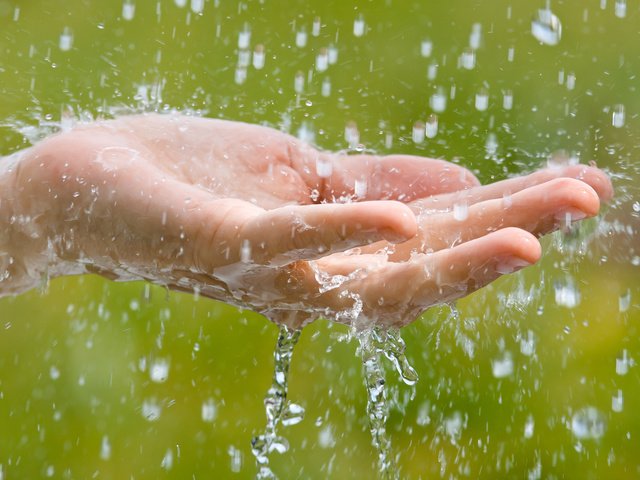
(74, 359)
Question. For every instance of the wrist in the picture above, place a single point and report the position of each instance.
(22, 257)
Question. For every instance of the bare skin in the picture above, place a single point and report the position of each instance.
(254, 217)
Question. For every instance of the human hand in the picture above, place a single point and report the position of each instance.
(248, 215)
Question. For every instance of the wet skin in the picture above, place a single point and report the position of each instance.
(254, 217)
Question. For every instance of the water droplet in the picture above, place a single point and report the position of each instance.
(491, 144)
(326, 87)
(244, 58)
(621, 8)
(351, 134)
(151, 409)
(236, 459)
(617, 117)
(360, 188)
(197, 6)
(588, 423)
(432, 71)
(159, 370)
(528, 344)
(128, 10)
(105, 449)
(418, 132)
(426, 47)
(324, 166)
(438, 101)
(54, 373)
(315, 27)
(359, 26)
(245, 251)
(333, 55)
(502, 367)
(507, 100)
(244, 37)
(571, 81)
(209, 411)
(561, 159)
(66, 40)
(482, 100)
(431, 127)
(240, 75)
(475, 38)
(617, 402)
(468, 59)
(292, 414)
(258, 57)
(326, 438)
(298, 82)
(529, 427)
(180, 3)
(511, 53)
(624, 301)
(460, 211)
(167, 460)
(546, 27)
(322, 60)
(622, 363)
(566, 293)
(301, 38)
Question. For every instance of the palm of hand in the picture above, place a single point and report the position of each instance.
(240, 213)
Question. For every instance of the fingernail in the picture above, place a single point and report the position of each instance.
(510, 265)
(570, 215)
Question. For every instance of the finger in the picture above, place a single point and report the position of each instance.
(395, 177)
(539, 210)
(307, 232)
(592, 176)
(395, 289)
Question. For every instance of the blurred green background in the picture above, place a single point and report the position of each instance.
(505, 387)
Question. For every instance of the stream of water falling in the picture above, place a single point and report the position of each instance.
(374, 343)
(278, 409)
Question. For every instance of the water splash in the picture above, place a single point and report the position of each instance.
(277, 408)
(374, 343)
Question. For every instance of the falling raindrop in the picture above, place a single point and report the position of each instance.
(351, 134)
(438, 101)
(567, 293)
(324, 167)
(460, 211)
(360, 187)
(426, 47)
(151, 410)
(301, 38)
(240, 75)
(617, 402)
(621, 8)
(502, 367)
(617, 118)
(431, 127)
(418, 132)
(622, 363)
(507, 100)
(128, 10)
(66, 40)
(359, 26)
(167, 460)
(475, 39)
(298, 82)
(529, 427)
(482, 100)
(571, 81)
(624, 301)
(546, 27)
(105, 449)
(315, 27)
(333, 55)
(258, 57)
(468, 59)
(588, 424)
(209, 411)
(325, 90)
(322, 60)
(244, 37)
(197, 6)
(159, 370)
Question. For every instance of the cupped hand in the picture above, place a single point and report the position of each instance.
(251, 216)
